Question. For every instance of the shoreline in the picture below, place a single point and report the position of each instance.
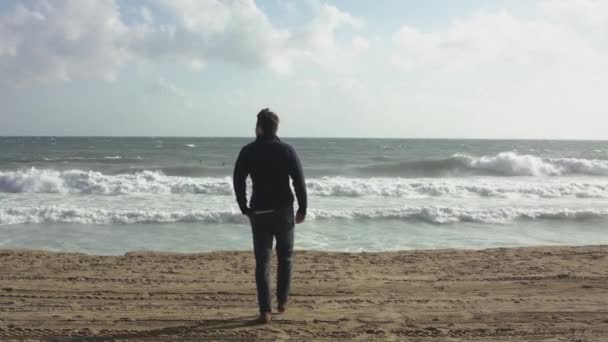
(547, 293)
(297, 250)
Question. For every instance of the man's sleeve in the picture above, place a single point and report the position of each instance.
(239, 179)
(299, 183)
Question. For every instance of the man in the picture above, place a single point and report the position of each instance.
(270, 163)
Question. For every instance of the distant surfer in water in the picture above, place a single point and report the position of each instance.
(270, 163)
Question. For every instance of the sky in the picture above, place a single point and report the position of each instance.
(497, 69)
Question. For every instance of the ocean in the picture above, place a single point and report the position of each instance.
(108, 195)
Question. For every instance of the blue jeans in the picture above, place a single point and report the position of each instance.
(279, 225)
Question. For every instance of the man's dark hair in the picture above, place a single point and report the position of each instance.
(269, 121)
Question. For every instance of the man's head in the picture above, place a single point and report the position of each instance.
(268, 123)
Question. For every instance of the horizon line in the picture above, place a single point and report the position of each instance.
(295, 137)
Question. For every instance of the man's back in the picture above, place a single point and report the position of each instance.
(270, 162)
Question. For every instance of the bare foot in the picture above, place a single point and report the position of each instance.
(265, 317)
(282, 307)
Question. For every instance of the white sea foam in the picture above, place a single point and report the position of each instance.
(92, 182)
(151, 182)
(412, 188)
(447, 215)
(67, 158)
(513, 164)
(501, 164)
(57, 214)
(431, 214)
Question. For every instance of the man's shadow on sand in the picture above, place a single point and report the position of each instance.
(175, 331)
(206, 325)
(226, 324)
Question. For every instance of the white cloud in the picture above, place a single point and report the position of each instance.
(235, 31)
(146, 14)
(540, 76)
(589, 15)
(42, 41)
(317, 41)
(166, 87)
(238, 31)
(164, 92)
(360, 43)
(490, 39)
(61, 40)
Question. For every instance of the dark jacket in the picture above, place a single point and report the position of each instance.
(270, 162)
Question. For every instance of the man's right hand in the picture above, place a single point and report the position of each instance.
(300, 217)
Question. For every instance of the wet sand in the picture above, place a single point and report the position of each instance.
(515, 294)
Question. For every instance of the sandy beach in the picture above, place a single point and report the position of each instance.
(518, 294)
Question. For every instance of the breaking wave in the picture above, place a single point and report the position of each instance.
(414, 188)
(448, 215)
(431, 214)
(502, 164)
(93, 182)
(154, 182)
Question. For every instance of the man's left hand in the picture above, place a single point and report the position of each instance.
(300, 217)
